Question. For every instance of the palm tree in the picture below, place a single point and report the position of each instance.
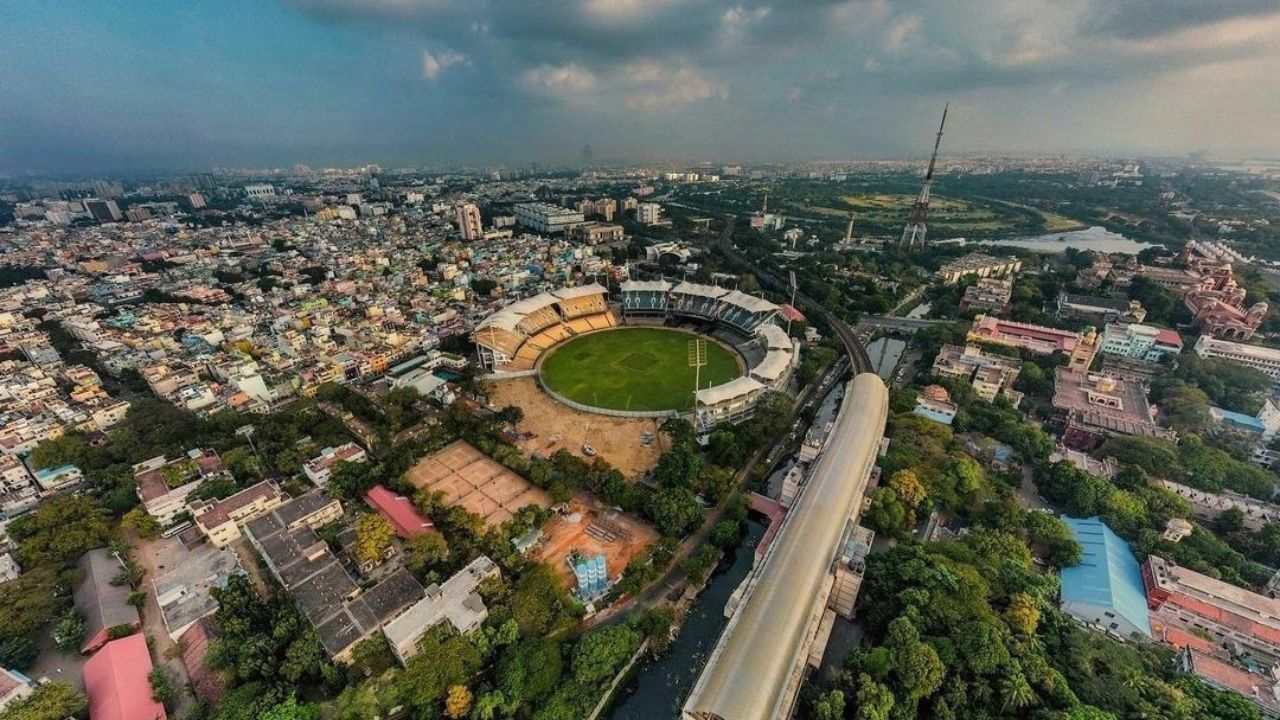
(1016, 693)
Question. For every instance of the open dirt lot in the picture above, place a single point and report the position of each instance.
(598, 530)
(557, 426)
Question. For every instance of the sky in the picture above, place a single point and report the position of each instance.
(118, 85)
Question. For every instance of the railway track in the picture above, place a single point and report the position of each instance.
(859, 360)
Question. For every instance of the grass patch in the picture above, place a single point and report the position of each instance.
(634, 369)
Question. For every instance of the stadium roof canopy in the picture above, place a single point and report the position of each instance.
(728, 391)
(775, 336)
(773, 366)
(646, 286)
(749, 302)
(580, 291)
(688, 288)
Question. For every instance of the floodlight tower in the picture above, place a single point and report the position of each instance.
(697, 359)
(914, 233)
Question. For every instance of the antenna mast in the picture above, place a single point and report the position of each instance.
(915, 231)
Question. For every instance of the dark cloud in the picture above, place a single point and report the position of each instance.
(1135, 19)
(489, 81)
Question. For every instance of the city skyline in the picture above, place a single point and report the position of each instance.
(99, 88)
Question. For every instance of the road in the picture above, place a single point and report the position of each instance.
(164, 652)
(858, 358)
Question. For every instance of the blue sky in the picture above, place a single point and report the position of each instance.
(96, 86)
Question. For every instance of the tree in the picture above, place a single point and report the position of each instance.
(161, 687)
(530, 670)
(59, 531)
(69, 632)
(374, 535)
(351, 480)
(1022, 614)
(829, 706)
(600, 653)
(887, 514)
(908, 487)
(540, 604)
(26, 605)
(458, 703)
(69, 449)
(1015, 692)
(291, 710)
(54, 701)
(444, 659)
(425, 553)
(723, 448)
(917, 667)
(674, 511)
(875, 701)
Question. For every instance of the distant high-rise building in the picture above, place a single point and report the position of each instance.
(259, 192)
(138, 214)
(469, 222)
(107, 189)
(103, 210)
(204, 181)
(648, 213)
(195, 201)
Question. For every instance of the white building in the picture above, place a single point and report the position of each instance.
(648, 213)
(259, 192)
(319, 469)
(1262, 359)
(1140, 342)
(546, 218)
(455, 602)
(17, 487)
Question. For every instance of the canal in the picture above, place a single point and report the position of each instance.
(660, 686)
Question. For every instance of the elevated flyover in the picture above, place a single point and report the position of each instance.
(755, 671)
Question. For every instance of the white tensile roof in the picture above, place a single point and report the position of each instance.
(579, 291)
(688, 288)
(775, 336)
(529, 304)
(728, 391)
(749, 302)
(773, 366)
(646, 286)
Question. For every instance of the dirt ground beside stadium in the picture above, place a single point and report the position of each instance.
(557, 426)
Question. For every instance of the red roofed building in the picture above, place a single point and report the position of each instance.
(115, 680)
(207, 683)
(790, 313)
(1079, 348)
(399, 511)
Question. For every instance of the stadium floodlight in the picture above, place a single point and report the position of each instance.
(697, 359)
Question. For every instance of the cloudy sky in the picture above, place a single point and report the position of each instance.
(99, 85)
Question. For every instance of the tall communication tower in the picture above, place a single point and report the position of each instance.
(913, 234)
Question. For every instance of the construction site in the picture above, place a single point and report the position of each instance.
(586, 529)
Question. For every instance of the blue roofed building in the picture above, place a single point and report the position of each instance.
(1105, 590)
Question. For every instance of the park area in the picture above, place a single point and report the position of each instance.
(643, 369)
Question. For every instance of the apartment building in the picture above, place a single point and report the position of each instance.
(1140, 342)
